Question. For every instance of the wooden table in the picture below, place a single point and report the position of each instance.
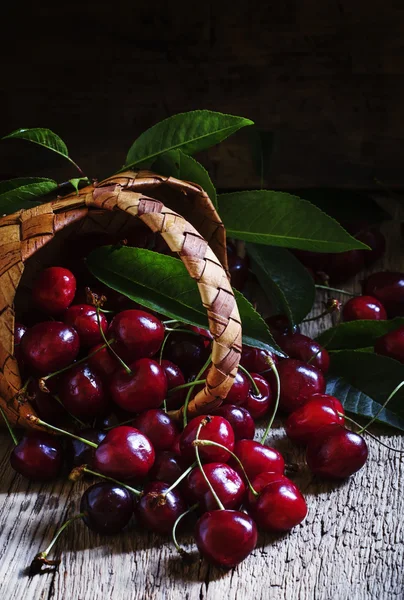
(351, 545)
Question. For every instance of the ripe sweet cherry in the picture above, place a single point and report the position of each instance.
(54, 289)
(49, 346)
(299, 381)
(364, 308)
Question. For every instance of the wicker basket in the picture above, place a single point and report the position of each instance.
(198, 237)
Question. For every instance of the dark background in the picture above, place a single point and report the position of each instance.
(325, 77)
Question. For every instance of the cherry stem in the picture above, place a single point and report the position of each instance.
(393, 393)
(188, 396)
(119, 424)
(110, 348)
(254, 385)
(371, 434)
(332, 289)
(278, 393)
(171, 321)
(7, 422)
(128, 487)
(181, 551)
(184, 386)
(198, 460)
(331, 306)
(38, 421)
(78, 362)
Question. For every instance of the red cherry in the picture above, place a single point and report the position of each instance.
(225, 537)
(256, 458)
(167, 467)
(54, 290)
(38, 456)
(138, 334)
(144, 388)
(49, 346)
(391, 344)
(239, 390)
(364, 308)
(217, 430)
(258, 405)
(83, 393)
(125, 453)
(79, 453)
(305, 422)
(186, 350)
(388, 288)
(255, 360)
(240, 419)
(344, 265)
(174, 379)
(156, 515)
(19, 330)
(159, 428)
(46, 405)
(103, 361)
(226, 482)
(301, 347)
(299, 381)
(205, 333)
(261, 481)
(107, 507)
(83, 317)
(337, 454)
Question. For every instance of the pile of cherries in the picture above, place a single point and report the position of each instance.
(107, 378)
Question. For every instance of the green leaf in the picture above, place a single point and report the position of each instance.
(43, 137)
(285, 281)
(357, 334)
(355, 401)
(280, 219)
(20, 193)
(76, 181)
(162, 283)
(177, 164)
(191, 132)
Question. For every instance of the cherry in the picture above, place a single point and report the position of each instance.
(337, 454)
(279, 325)
(125, 453)
(255, 360)
(45, 404)
(103, 361)
(83, 317)
(174, 379)
(239, 390)
(107, 507)
(299, 346)
(83, 392)
(391, 344)
(158, 427)
(240, 420)
(216, 429)
(19, 330)
(258, 405)
(54, 290)
(205, 333)
(299, 381)
(226, 482)
(50, 346)
(79, 453)
(158, 510)
(388, 288)
(305, 422)
(167, 467)
(364, 308)
(238, 269)
(38, 456)
(225, 537)
(256, 458)
(344, 265)
(138, 334)
(374, 238)
(186, 350)
(144, 388)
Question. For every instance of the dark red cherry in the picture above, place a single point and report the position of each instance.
(391, 344)
(304, 423)
(217, 430)
(46, 405)
(38, 456)
(79, 453)
(299, 381)
(205, 333)
(374, 238)
(239, 390)
(174, 379)
(138, 334)
(84, 393)
(103, 361)
(344, 265)
(167, 467)
(156, 513)
(53, 291)
(144, 388)
(388, 288)
(238, 269)
(280, 325)
(49, 346)
(186, 350)
(125, 453)
(107, 507)
(256, 458)
(317, 261)
(83, 317)
(255, 360)
(240, 419)
(158, 426)
(258, 404)
(338, 454)
(225, 537)
(19, 330)
(299, 346)
(364, 308)
(226, 482)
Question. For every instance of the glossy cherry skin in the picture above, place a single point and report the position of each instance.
(144, 388)
(103, 361)
(53, 291)
(216, 429)
(388, 288)
(83, 317)
(79, 453)
(175, 378)
(279, 325)
(303, 348)
(84, 393)
(49, 346)
(299, 381)
(125, 453)
(226, 482)
(186, 350)
(168, 467)
(239, 390)
(344, 265)
(157, 515)
(255, 360)
(364, 308)
(337, 454)
(256, 458)
(19, 330)
(225, 537)
(258, 405)
(138, 334)
(391, 344)
(240, 419)
(107, 507)
(304, 423)
(158, 426)
(38, 456)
